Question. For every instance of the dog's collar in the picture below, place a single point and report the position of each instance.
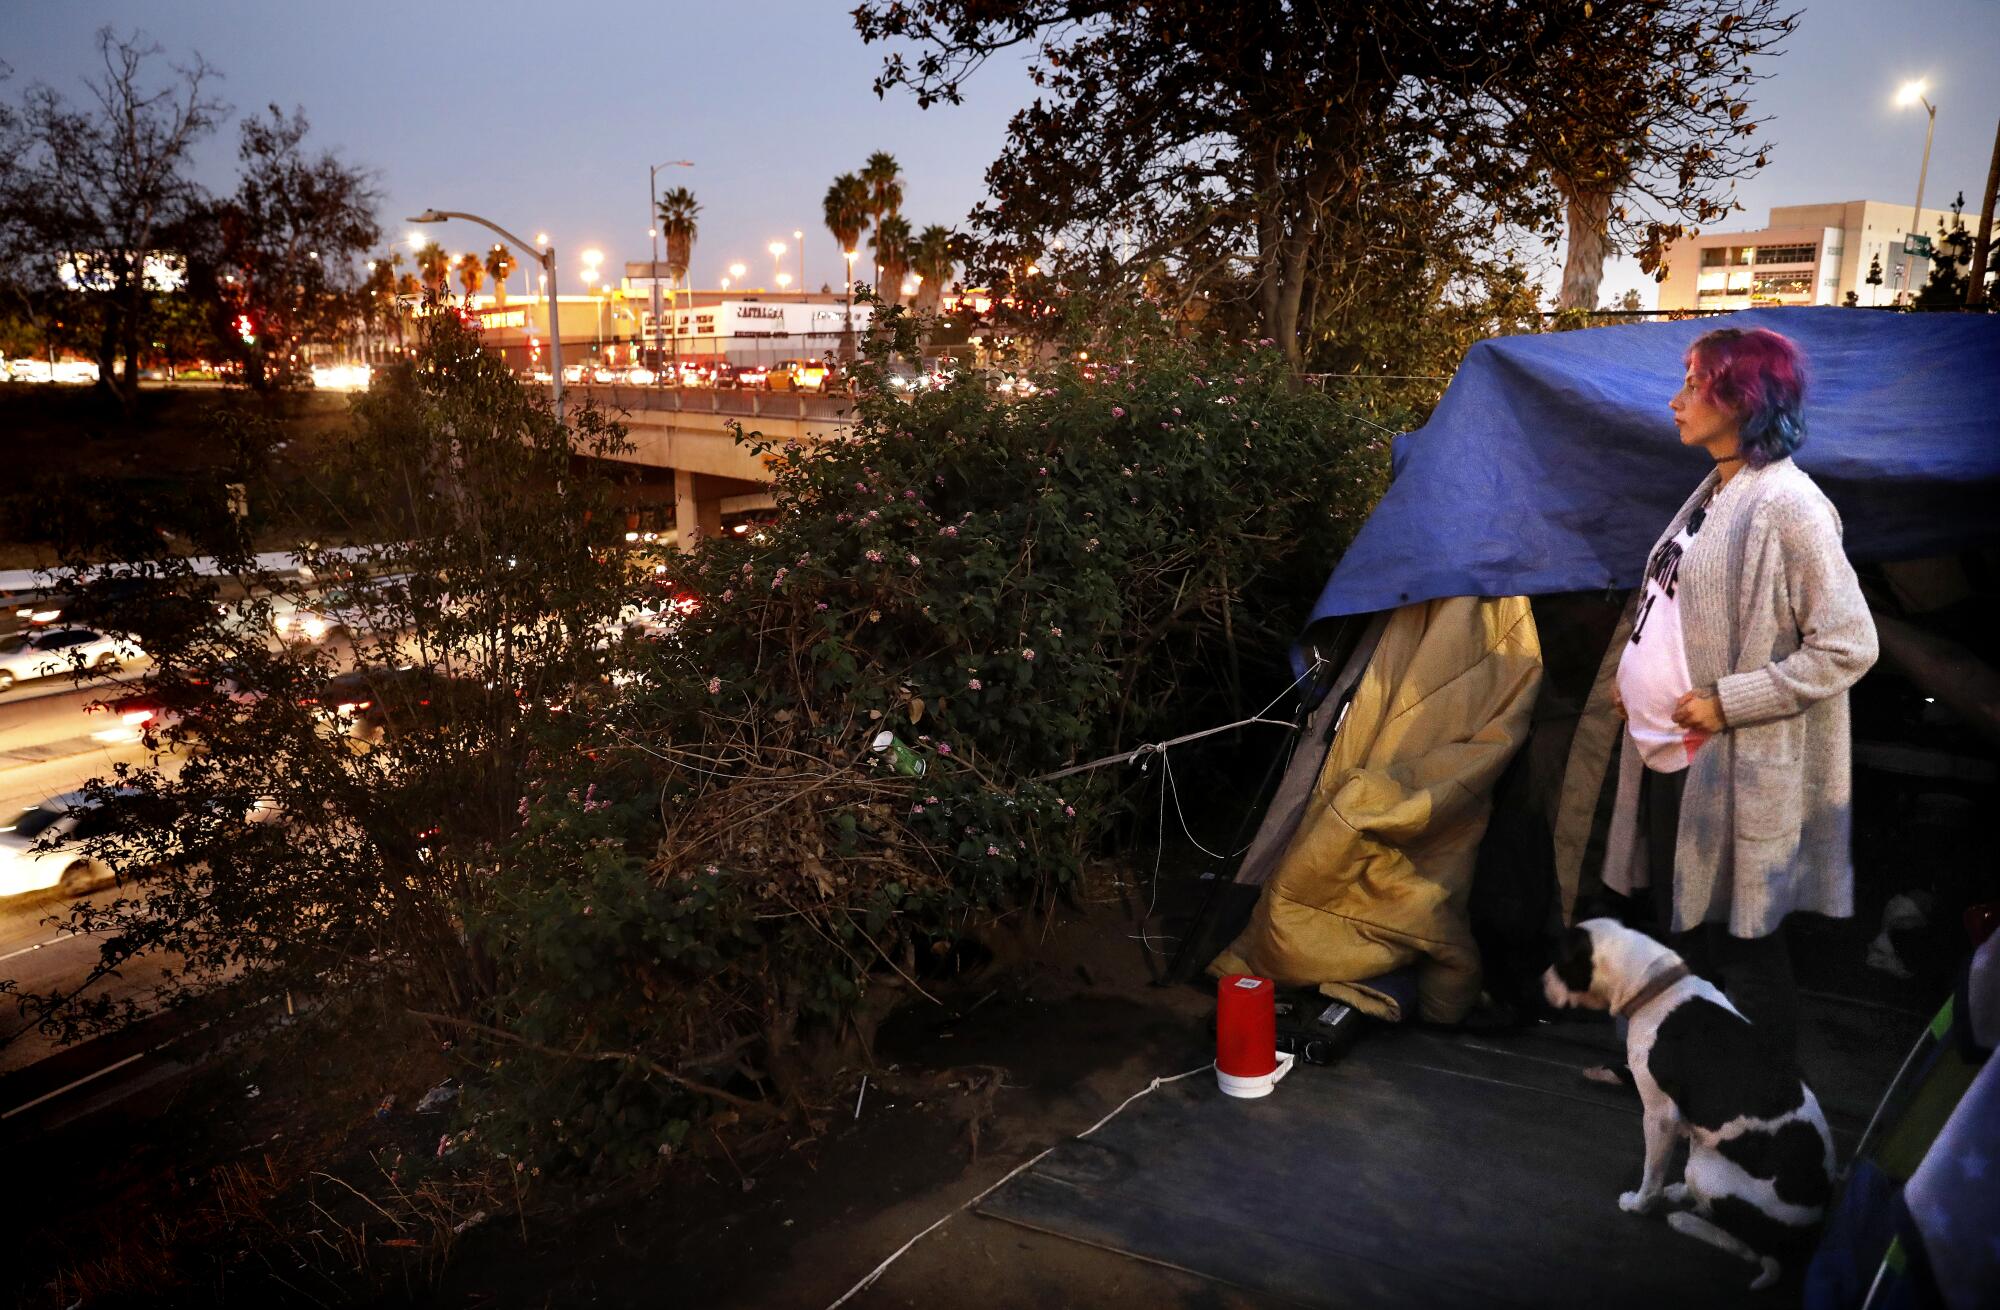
(1651, 991)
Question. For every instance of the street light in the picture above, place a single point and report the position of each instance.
(545, 255)
(777, 249)
(653, 185)
(1912, 93)
(847, 340)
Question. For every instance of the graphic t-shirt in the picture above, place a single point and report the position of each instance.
(1653, 671)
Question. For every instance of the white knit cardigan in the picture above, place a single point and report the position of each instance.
(1773, 618)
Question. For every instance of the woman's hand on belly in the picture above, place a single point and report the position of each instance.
(1699, 711)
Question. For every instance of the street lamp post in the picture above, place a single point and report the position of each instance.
(1912, 93)
(847, 311)
(545, 255)
(800, 237)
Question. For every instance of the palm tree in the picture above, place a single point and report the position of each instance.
(885, 192)
(471, 274)
(846, 210)
(500, 265)
(433, 266)
(408, 292)
(891, 244)
(380, 293)
(934, 257)
(677, 213)
(678, 210)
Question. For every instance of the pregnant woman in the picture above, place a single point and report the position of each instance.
(1734, 777)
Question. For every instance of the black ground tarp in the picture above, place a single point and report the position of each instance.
(1425, 1169)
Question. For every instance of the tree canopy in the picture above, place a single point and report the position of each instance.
(1271, 158)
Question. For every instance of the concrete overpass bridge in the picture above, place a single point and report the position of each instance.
(689, 432)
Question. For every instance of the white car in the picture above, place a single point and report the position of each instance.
(65, 822)
(358, 609)
(51, 651)
(43, 845)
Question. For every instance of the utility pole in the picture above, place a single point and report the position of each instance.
(1975, 294)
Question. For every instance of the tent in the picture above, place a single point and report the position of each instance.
(1462, 639)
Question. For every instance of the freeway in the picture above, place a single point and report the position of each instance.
(46, 749)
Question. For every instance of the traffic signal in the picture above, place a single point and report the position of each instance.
(246, 329)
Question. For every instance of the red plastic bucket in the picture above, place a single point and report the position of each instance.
(1247, 1062)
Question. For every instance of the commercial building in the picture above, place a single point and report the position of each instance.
(1806, 255)
(616, 327)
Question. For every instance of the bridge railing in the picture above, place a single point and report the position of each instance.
(733, 403)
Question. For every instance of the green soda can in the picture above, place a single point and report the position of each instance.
(901, 758)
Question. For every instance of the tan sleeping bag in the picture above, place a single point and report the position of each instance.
(1378, 872)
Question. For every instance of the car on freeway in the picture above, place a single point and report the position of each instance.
(754, 377)
(802, 375)
(641, 376)
(369, 708)
(46, 845)
(572, 374)
(603, 374)
(42, 847)
(50, 651)
(138, 715)
(352, 609)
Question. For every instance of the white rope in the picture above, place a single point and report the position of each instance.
(1145, 749)
(1013, 1173)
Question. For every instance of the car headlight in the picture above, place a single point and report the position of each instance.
(314, 628)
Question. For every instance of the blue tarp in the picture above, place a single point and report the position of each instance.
(1552, 462)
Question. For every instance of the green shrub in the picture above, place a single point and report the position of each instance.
(1009, 584)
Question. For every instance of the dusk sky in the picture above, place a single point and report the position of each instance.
(546, 118)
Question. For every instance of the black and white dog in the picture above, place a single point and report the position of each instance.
(1760, 1158)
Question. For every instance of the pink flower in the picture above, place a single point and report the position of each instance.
(1028, 655)
(1042, 472)
(971, 684)
(778, 579)
(819, 607)
(939, 479)
(1118, 411)
(861, 486)
(916, 809)
(873, 556)
(944, 748)
(1177, 411)
(1069, 811)
(728, 594)
(991, 849)
(930, 800)
(947, 531)
(915, 562)
(874, 513)
(715, 686)
(1055, 632)
(909, 495)
(842, 517)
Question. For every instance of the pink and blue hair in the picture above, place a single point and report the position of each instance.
(1759, 376)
